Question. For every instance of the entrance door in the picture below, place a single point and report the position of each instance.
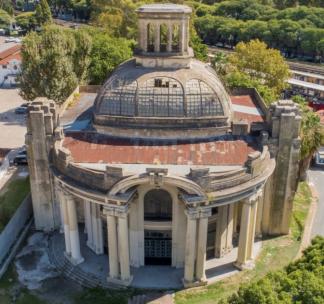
(158, 247)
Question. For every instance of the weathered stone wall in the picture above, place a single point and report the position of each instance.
(284, 120)
(41, 121)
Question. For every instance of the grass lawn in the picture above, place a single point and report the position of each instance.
(276, 253)
(9, 293)
(11, 196)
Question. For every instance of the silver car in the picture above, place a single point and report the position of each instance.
(319, 158)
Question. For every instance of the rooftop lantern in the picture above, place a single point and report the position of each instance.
(164, 33)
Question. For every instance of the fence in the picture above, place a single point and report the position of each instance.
(10, 237)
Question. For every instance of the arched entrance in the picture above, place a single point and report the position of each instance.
(158, 239)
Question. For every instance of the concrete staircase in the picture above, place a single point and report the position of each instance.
(72, 272)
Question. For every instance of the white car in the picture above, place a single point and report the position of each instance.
(319, 158)
(13, 39)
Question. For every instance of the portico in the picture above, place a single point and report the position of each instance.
(137, 226)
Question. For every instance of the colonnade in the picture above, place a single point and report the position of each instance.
(195, 241)
(183, 34)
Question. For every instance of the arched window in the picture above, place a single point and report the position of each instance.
(163, 38)
(119, 98)
(150, 37)
(175, 38)
(157, 205)
(160, 97)
(202, 100)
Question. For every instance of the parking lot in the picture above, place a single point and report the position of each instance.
(12, 126)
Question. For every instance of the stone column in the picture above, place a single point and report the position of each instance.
(182, 36)
(112, 247)
(123, 247)
(258, 227)
(201, 246)
(170, 37)
(76, 257)
(60, 198)
(224, 230)
(87, 221)
(157, 38)
(247, 233)
(66, 225)
(191, 236)
(96, 229)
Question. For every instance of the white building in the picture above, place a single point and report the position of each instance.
(10, 62)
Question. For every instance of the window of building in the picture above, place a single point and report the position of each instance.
(4, 66)
(119, 98)
(202, 100)
(157, 205)
(161, 97)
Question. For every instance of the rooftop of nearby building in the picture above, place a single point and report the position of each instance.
(10, 54)
(308, 74)
(305, 84)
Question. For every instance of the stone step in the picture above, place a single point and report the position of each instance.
(140, 299)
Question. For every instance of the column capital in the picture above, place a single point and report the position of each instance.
(251, 200)
(194, 214)
(118, 211)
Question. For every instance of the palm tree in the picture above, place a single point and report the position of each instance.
(312, 137)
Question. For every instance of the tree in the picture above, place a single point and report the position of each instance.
(261, 63)
(107, 52)
(53, 63)
(43, 13)
(301, 282)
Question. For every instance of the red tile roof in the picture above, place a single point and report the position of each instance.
(10, 54)
(251, 113)
(321, 115)
(94, 148)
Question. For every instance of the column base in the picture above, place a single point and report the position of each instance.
(72, 260)
(187, 284)
(120, 281)
(243, 266)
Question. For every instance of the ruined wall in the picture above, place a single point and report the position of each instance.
(41, 121)
(284, 143)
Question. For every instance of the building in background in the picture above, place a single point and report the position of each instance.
(10, 65)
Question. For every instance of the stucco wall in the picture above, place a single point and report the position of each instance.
(13, 229)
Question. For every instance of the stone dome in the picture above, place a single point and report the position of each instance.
(194, 92)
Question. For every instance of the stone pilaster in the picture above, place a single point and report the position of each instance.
(41, 122)
(157, 37)
(284, 119)
(170, 37)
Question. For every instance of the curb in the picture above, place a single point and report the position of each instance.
(307, 234)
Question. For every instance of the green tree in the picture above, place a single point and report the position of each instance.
(259, 62)
(26, 21)
(5, 19)
(107, 53)
(301, 282)
(53, 63)
(43, 13)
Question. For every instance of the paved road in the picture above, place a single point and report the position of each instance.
(316, 176)
(12, 126)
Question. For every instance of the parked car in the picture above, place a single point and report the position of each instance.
(319, 158)
(21, 158)
(21, 110)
